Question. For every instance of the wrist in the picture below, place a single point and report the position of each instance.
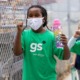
(19, 32)
(65, 45)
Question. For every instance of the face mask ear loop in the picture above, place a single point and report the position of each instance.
(46, 25)
(42, 18)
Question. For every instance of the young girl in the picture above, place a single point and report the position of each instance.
(74, 45)
(38, 47)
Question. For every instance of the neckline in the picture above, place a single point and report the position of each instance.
(39, 33)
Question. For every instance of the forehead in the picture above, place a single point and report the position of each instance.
(35, 10)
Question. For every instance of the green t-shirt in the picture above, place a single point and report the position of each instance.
(76, 48)
(39, 50)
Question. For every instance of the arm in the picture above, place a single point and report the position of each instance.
(66, 54)
(17, 49)
(74, 45)
(62, 53)
(72, 41)
(74, 59)
(66, 51)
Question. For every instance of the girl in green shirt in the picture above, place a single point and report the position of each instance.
(39, 47)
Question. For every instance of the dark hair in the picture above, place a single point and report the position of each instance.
(43, 11)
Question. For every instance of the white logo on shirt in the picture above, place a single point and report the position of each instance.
(34, 47)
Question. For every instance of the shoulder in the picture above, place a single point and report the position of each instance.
(25, 32)
(78, 42)
(76, 48)
(51, 34)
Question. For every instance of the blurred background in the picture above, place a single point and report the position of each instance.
(13, 11)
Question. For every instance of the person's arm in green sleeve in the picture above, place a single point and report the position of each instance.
(76, 48)
(17, 49)
(74, 45)
(62, 53)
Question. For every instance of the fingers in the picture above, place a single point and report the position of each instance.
(63, 36)
(63, 39)
(20, 24)
(78, 32)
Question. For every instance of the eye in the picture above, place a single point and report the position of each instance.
(30, 15)
(37, 15)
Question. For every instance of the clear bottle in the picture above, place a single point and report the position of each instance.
(57, 29)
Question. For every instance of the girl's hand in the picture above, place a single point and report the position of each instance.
(77, 33)
(72, 64)
(20, 27)
(64, 39)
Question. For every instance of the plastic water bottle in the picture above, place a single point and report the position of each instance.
(57, 29)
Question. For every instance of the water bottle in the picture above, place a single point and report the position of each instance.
(57, 29)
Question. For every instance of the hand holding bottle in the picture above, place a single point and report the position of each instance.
(57, 29)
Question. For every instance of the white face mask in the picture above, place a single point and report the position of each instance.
(35, 23)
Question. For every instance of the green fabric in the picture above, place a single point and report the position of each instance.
(76, 48)
(39, 50)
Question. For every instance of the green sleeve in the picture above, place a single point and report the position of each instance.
(76, 48)
(57, 51)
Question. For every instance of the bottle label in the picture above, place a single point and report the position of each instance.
(57, 31)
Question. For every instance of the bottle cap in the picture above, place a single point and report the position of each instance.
(56, 22)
